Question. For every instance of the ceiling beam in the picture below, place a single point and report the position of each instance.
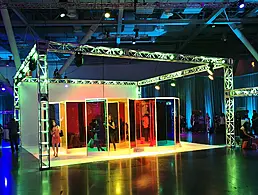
(11, 38)
(242, 38)
(253, 13)
(210, 20)
(24, 20)
(115, 5)
(170, 22)
(84, 40)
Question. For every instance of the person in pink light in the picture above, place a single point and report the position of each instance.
(55, 132)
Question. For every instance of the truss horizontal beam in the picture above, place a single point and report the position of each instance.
(127, 5)
(84, 82)
(131, 54)
(178, 74)
(244, 92)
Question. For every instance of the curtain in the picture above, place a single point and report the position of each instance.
(249, 103)
(195, 93)
(6, 108)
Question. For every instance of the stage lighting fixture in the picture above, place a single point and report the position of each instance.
(133, 42)
(107, 13)
(241, 4)
(173, 83)
(63, 12)
(32, 64)
(213, 26)
(157, 87)
(3, 88)
(107, 33)
(211, 77)
(253, 64)
(78, 59)
(66, 85)
(211, 69)
(136, 33)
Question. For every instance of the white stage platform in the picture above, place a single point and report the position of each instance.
(80, 157)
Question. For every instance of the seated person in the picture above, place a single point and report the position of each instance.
(245, 133)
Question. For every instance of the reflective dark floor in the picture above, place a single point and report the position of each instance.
(211, 172)
(204, 138)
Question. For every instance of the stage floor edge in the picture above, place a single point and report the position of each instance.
(78, 158)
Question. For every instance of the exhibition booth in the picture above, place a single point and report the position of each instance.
(99, 117)
(141, 124)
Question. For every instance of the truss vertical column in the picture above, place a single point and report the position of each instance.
(17, 113)
(229, 104)
(139, 91)
(43, 106)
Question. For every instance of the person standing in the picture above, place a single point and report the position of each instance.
(112, 131)
(146, 127)
(1, 134)
(13, 134)
(55, 132)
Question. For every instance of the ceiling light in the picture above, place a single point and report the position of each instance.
(241, 4)
(107, 13)
(153, 39)
(173, 83)
(63, 12)
(157, 87)
(211, 77)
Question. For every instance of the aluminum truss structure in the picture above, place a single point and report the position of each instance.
(39, 52)
(228, 87)
(178, 74)
(244, 92)
(77, 81)
(43, 103)
(131, 54)
(229, 105)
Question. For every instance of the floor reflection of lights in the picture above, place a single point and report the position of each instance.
(80, 156)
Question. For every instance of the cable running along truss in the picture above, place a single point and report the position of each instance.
(39, 52)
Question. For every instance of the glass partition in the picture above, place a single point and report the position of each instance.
(96, 120)
(63, 125)
(165, 122)
(132, 124)
(145, 123)
(76, 134)
(177, 120)
(118, 138)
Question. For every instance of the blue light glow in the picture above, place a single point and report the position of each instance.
(241, 6)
